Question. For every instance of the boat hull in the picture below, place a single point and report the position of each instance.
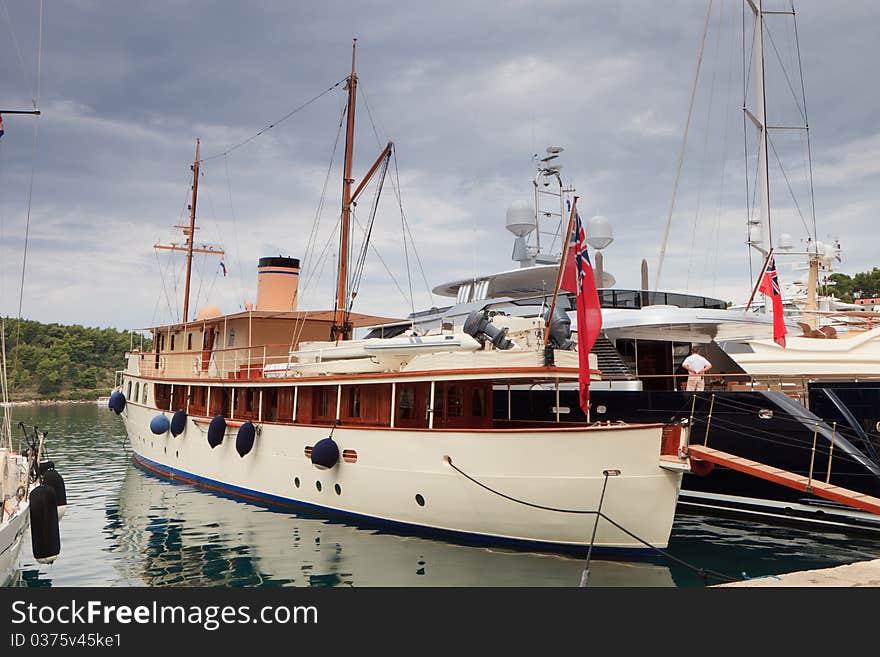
(11, 536)
(403, 479)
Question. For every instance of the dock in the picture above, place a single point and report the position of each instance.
(861, 573)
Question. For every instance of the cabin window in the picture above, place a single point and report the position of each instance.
(144, 398)
(407, 403)
(354, 402)
(230, 338)
(270, 404)
(454, 401)
(189, 341)
(137, 391)
(325, 402)
(172, 342)
(478, 402)
(128, 391)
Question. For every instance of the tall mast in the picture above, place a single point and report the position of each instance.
(341, 329)
(759, 118)
(190, 233)
(189, 230)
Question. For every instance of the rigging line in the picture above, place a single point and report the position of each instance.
(24, 74)
(234, 232)
(300, 324)
(164, 288)
(806, 121)
(39, 55)
(700, 179)
(362, 257)
(385, 265)
(26, 240)
(313, 232)
(784, 73)
(745, 76)
(687, 126)
(272, 125)
(728, 104)
(788, 184)
(412, 304)
(409, 231)
(599, 513)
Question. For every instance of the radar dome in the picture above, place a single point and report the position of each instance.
(521, 218)
(599, 232)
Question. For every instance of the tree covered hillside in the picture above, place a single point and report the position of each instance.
(53, 361)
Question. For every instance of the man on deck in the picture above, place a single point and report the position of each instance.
(696, 365)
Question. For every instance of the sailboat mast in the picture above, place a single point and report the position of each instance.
(190, 233)
(340, 329)
(760, 120)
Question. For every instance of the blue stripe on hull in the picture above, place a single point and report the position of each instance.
(467, 538)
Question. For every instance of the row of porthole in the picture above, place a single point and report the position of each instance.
(420, 500)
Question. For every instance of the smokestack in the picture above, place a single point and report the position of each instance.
(277, 283)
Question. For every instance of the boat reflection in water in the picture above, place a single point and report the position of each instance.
(165, 534)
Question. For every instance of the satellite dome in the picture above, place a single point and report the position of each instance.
(599, 232)
(521, 218)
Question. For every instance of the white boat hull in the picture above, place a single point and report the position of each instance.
(560, 469)
(12, 533)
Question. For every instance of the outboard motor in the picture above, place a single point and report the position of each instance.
(560, 328)
(478, 326)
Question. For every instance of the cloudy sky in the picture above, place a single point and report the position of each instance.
(467, 91)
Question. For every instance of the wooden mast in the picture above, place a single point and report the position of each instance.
(341, 329)
(190, 233)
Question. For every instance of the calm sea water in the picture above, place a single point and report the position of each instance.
(127, 528)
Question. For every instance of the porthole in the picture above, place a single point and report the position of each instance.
(318, 486)
(601, 408)
(765, 414)
(420, 500)
(177, 454)
(296, 481)
(338, 489)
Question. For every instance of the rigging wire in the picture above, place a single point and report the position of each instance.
(702, 167)
(28, 82)
(274, 124)
(395, 185)
(29, 203)
(687, 126)
(745, 78)
(788, 184)
(806, 121)
(234, 231)
(358, 270)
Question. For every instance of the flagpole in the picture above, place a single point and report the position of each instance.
(562, 263)
(760, 278)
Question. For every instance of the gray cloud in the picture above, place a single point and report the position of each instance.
(468, 91)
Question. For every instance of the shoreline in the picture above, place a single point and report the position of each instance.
(51, 402)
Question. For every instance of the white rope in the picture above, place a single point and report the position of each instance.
(683, 149)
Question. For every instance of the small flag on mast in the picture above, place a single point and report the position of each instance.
(223, 267)
(1, 125)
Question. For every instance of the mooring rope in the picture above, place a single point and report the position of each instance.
(705, 573)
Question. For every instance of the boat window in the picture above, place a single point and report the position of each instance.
(480, 290)
(354, 402)
(137, 391)
(406, 403)
(230, 339)
(172, 342)
(464, 293)
(478, 402)
(128, 391)
(454, 401)
(144, 398)
(189, 341)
